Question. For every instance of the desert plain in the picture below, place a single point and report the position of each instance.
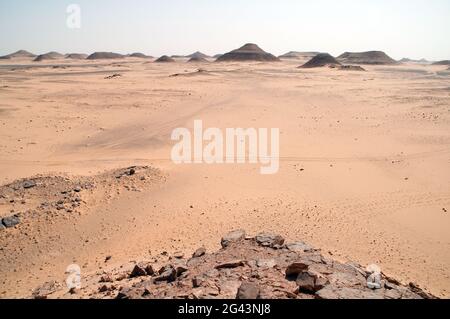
(364, 164)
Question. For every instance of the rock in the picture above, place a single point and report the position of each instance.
(29, 184)
(228, 288)
(230, 264)
(197, 281)
(106, 278)
(181, 269)
(296, 268)
(167, 273)
(306, 282)
(77, 189)
(374, 281)
(11, 221)
(269, 240)
(48, 288)
(130, 293)
(2, 226)
(266, 263)
(299, 246)
(138, 271)
(332, 292)
(231, 237)
(248, 290)
(178, 255)
(199, 252)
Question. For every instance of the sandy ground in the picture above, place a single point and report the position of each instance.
(364, 169)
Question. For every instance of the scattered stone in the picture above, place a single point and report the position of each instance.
(77, 189)
(248, 290)
(178, 255)
(46, 289)
(270, 240)
(199, 252)
(181, 269)
(197, 281)
(231, 237)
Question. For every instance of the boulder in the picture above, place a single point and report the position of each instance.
(232, 237)
(269, 240)
(199, 252)
(11, 221)
(248, 290)
(230, 264)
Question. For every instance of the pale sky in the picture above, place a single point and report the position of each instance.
(402, 28)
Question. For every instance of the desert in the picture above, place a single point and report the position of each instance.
(87, 177)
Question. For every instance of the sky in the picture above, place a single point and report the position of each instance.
(402, 28)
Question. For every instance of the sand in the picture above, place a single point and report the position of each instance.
(363, 175)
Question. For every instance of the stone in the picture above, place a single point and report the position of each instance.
(199, 252)
(296, 268)
(299, 246)
(231, 237)
(197, 281)
(178, 255)
(106, 278)
(138, 271)
(248, 290)
(2, 226)
(332, 292)
(374, 281)
(230, 264)
(46, 289)
(228, 288)
(29, 184)
(181, 269)
(269, 240)
(11, 221)
(306, 282)
(167, 273)
(266, 263)
(77, 189)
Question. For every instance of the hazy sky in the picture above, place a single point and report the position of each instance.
(402, 28)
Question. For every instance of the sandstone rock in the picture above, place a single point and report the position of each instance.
(230, 264)
(269, 240)
(197, 281)
(248, 290)
(199, 252)
(228, 288)
(234, 236)
(11, 221)
(2, 226)
(306, 282)
(181, 269)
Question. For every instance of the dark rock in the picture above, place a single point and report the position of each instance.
(178, 255)
(29, 184)
(230, 264)
(181, 269)
(138, 271)
(199, 252)
(197, 281)
(248, 290)
(48, 288)
(296, 268)
(77, 189)
(306, 282)
(231, 237)
(2, 227)
(167, 273)
(11, 221)
(269, 240)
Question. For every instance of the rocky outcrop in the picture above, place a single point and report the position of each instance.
(261, 267)
(248, 52)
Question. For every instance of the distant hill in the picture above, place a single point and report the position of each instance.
(444, 62)
(198, 54)
(49, 56)
(105, 55)
(76, 56)
(248, 52)
(370, 57)
(165, 59)
(140, 55)
(20, 54)
(321, 60)
(298, 55)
